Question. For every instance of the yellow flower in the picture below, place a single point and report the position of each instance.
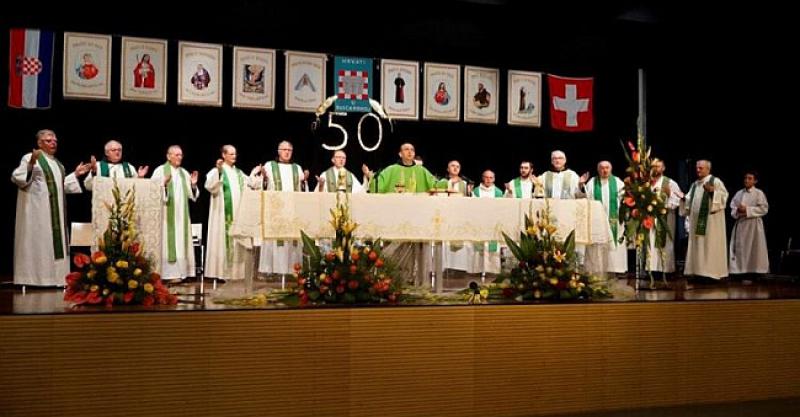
(110, 270)
(649, 209)
(663, 211)
(91, 273)
(551, 230)
(559, 257)
(484, 293)
(137, 272)
(100, 260)
(105, 291)
(94, 288)
(348, 227)
(573, 284)
(122, 264)
(148, 288)
(133, 284)
(533, 230)
(553, 281)
(537, 294)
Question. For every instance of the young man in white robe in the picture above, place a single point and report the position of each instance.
(609, 190)
(278, 257)
(748, 248)
(41, 257)
(113, 166)
(486, 255)
(226, 183)
(666, 263)
(704, 208)
(560, 182)
(329, 180)
(177, 252)
(522, 186)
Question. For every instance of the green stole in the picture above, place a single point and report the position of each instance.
(477, 192)
(548, 184)
(55, 215)
(613, 203)
(228, 199)
(518, 187)
(497, 194)
(460, 186)
(332, 181)
(104, 169)
(171, 252)
(702, 219)
(276, 176)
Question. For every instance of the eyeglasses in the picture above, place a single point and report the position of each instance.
(285, 149)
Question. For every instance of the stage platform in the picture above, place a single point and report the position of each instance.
(485, 360)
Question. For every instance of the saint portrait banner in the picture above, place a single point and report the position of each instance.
(200, 74)
(87, 66)
(442, 92)
(524, 98)
(253, 78)
(143, 63)
(400, 89)
(481, 94)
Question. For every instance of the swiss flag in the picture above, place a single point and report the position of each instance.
(571, 102)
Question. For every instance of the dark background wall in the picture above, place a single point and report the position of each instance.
(715, 78)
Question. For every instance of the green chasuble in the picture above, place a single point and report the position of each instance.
(414, 178)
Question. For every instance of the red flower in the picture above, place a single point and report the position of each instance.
(77, 298)
(379, 263)
(373, 256)
(81, 260)
(340, 289)
(94, 298)
(635, 213)
(127, 297)
(355, 256)
(630, 146)
(298, 267)
(155, 278)
(110, 300)
(173, 299)
(135, 248)
(629, 201)
(635, 156)
(648, 222)
(353, 284)
(148, 301)
(74, 277)
(353, 269)
(330, 256)
(336, 274)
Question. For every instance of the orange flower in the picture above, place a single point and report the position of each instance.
(81, 260)
(648, 222)
(74, 277)
(99, 257)
(635, 156)
(629, 201)
(148, 301)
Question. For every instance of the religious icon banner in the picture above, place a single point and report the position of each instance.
(253, 78)
(305, 81)
(442, 92)
(400, 89)
(199, 74)
(524, 98)
(143, 63)
(481, 94)
(87, 66)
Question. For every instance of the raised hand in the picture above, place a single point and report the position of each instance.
(709, 187)
(195, 174)
(365, 170)
(82, 169)
(142, 171)
(34, 157)
(584, 178)
(219, 164)
(93, 163)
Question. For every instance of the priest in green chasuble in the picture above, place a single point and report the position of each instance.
(404, 176)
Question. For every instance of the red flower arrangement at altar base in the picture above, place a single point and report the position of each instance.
(119, 271)
(642, 210)
(348, 273)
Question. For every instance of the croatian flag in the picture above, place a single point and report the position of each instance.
(30, 72)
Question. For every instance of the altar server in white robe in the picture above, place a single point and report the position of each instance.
(522, 186)
(608, 189)
(455, 255)
(278, 257)
(225, 259)
(560, 182)
(329, 180)
(663, 260)
(486, 255)
(40, 234)
(112, 166)
(748, 249)
(704, 208)
(177, 252)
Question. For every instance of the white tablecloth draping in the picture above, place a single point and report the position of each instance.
(265, 215)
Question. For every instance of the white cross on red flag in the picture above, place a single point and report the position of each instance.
(571, 103)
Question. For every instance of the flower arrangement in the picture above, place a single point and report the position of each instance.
(348, 273)
(547, 268)
(642, 209)
(119, 271)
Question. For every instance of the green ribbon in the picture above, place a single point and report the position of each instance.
(171, 252)
(566, 182)
(497, 194)
(702, 219)
(55, 212)
(104, 169)
(276, 176)
(228, 199)
(613, 203)
(332, 181)
(518, 187)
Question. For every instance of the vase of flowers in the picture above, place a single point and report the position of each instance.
(119, 271)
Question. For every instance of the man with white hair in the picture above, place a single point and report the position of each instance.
(283, 175)
(177, 253)
(704, 208)
(40, 239)
(560, 182)
(112, 166)
(608, 189)
(487, 254)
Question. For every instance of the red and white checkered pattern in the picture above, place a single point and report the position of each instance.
(364, 75)
(30, 65)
